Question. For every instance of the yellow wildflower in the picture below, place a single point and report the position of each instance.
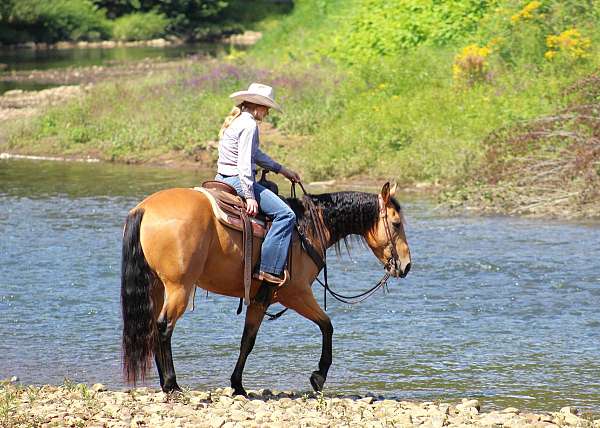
(570, 43)
(527, 12)
(471, 64)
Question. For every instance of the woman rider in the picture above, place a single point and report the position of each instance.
(238, 156)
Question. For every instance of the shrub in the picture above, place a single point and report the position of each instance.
(527, 13)
(387, 27)
(52, 21)
(140, 26)
(471, 65)
(569, 44)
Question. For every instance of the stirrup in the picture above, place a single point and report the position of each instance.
(273, 279)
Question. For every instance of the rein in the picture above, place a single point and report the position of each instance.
(321, 260)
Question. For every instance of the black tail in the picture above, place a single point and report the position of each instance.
(139, 325)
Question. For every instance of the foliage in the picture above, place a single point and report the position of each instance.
(386, 28)
(559, 151)
(527, 13)
(471, 64)
(190, 10)
(379, 106)
(56, 20)
(51, 21)
(523, 28)
(570, 44)
(140, 26)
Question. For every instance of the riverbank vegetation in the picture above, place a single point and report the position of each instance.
(414, 90)
(51, 21)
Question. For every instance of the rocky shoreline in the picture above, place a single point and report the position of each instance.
(79, 405)
(247, 38)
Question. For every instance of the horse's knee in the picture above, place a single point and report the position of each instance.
(164, 328)
(326, 327)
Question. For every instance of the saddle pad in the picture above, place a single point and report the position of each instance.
(229, 218)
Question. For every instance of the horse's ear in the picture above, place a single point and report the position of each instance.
(393, 189)
(385, 193)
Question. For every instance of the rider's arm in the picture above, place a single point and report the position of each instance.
(263, 160)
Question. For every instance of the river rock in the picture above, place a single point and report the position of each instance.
(265, 392)
(98, 387)
(225, 401)
(368, 400)
(571, 419)
(511, 410)
(569, 410)
(227, 392)
(471, 403)
(137, 420)
(470, 410)
(239, 416)
(216, 421)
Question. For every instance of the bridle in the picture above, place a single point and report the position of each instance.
(320, 259)
(391, 241)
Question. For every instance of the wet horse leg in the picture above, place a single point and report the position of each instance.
(158, 299)
(173, 309)
(255, 314)
(306, 305)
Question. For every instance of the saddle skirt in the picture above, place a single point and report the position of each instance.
(227, 206)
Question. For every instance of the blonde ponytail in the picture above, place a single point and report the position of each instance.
(235, 112)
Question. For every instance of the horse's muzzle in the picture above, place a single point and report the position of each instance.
(394, 268)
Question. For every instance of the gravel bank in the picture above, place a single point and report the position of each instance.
(79, 405)
(21, 104)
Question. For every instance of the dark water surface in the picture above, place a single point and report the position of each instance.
(501, 309)
(45, 59)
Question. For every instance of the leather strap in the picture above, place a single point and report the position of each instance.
(247, 246)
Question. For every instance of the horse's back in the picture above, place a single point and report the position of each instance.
(177, 202)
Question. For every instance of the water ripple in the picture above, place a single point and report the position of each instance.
(498, 308)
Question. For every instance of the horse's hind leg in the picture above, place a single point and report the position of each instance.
(254, 317)
(306, 305)
(173, 308)
(158, 299)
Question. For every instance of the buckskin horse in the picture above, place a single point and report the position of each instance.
(173, 243)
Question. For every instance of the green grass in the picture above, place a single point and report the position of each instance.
(395, 112)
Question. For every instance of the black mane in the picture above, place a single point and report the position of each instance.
(344, 213)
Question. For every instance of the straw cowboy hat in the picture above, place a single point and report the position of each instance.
(257, 93)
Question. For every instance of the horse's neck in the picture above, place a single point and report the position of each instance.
(348, 213)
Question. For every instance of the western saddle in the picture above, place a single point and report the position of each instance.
(230, 209)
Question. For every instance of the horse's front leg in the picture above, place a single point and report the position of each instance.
(254, 317)
(305, 304)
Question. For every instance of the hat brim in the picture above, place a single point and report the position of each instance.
(251, 97)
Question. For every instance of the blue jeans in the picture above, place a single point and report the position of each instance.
(274, 251)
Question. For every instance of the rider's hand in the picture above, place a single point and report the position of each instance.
(290, 175)
(251, 207)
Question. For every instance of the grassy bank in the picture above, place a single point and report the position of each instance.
(370, 88)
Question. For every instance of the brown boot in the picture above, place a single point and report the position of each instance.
(272, 279)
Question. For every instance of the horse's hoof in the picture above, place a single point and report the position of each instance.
(317, 380)
(240, 391)
(171, 389)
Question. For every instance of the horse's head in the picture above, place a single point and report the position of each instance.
(387, 238)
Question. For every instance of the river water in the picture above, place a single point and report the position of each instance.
(496, 308)
(13, 60)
